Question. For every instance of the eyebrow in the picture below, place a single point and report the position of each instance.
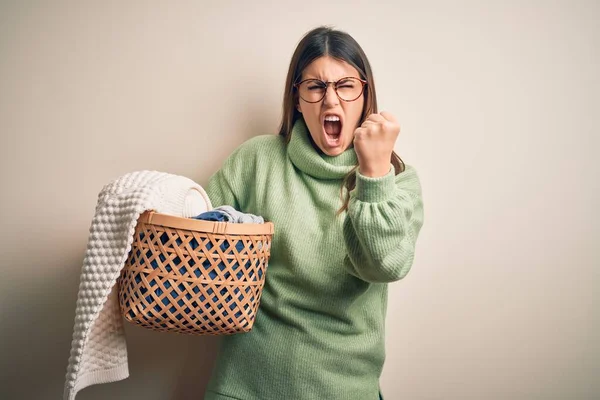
(334, 80)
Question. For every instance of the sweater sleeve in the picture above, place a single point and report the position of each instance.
(385, 215)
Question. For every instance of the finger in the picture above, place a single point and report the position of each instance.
(376, 118)
(388, 116)
(360, 132)
(369, 123)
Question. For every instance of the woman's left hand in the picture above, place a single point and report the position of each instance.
(374, 143)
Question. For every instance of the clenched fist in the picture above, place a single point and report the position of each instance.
(374, 143)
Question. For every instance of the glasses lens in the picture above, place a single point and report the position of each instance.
(349, 89)
(312, 90)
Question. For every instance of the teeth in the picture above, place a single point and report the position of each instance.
(332, 118)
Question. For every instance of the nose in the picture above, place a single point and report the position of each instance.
(331, 98)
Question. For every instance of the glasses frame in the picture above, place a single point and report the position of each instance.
(362, 81)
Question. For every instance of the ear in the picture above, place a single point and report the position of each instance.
(296, 100)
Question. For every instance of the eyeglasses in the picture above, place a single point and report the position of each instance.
(347, 89)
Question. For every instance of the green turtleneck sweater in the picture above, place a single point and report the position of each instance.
(319, 330)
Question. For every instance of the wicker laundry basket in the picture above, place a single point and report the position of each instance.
(196, 277)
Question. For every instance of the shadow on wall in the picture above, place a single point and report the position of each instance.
(37, 321)
(37, 327)
(196, 368)
(161, 366)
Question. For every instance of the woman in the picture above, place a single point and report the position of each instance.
(347, 213)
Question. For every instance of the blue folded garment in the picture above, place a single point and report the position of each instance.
(213, 216)
(230, 214)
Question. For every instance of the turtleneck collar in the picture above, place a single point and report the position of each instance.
(313, 162)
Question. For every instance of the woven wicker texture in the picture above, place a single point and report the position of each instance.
(194, 277)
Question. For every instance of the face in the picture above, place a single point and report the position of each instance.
(328, 136)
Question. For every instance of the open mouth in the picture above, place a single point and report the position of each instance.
(332, 126)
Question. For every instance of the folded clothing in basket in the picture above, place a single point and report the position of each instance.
(229, 214)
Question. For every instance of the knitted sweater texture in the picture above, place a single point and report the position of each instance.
(319, 331)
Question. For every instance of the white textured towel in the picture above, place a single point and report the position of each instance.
(98, 351)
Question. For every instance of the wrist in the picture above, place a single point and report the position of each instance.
(375, 171)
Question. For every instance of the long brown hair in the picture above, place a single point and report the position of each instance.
(326, 41)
